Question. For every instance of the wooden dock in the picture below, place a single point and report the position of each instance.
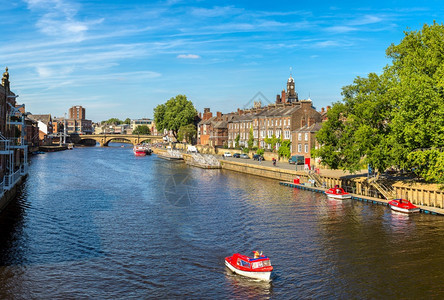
(376, 201)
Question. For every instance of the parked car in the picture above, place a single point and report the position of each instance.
(236, 155)
(243, 155)
(227, 154)
(258, 156)
(296, 160)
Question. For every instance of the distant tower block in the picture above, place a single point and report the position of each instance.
(77, 113)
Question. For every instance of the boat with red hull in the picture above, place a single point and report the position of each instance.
(337, 193)
(258, 267)
(404, 206)
(141, 150)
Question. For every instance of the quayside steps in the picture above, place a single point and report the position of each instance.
(385, 189)
(315, 177)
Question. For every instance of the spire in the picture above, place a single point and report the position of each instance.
(5, 79)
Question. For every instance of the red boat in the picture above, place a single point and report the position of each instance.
(337, 193)
(258, 267)
(403, 205)
(141, 150)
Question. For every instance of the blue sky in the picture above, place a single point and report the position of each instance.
(122, 58)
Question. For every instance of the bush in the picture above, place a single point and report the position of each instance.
(260, 151)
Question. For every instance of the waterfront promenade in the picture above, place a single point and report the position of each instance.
(324, 173)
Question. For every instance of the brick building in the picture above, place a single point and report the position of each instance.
(77, 122)
(13, 146)
(280, 119)
(211, 130)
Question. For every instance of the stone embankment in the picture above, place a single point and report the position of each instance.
(425, 196)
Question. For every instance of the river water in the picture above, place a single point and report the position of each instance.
(100, 223)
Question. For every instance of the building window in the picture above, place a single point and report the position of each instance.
(299, 136)
(306, 148)
(287, 134)
(270, 133)
(299, 148)
(288, 122)
(285, 122)
(306, 136)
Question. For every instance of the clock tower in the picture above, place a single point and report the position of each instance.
(292, 96)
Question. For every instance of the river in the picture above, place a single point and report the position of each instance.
(100, 223)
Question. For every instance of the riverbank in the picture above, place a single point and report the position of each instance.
(429, 197)
(372, 200)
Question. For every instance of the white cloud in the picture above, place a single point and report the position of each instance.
(365, 20)
(216, 11)
(340, 29)
(326, 44)
(188, 56)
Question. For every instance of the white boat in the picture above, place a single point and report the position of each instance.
(337, 193)
(257, 268)
(404, 206)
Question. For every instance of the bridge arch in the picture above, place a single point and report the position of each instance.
(105, 139)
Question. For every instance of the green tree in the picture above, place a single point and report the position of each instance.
(127, 121)
(418, 95)
(250, 139)
(188, 133)
(272, 141)
(236, 140)
(142, 129)
(357, 131)
(112, 121)
(260, 151)
(175, 113)
(396, 118)
(285, 150)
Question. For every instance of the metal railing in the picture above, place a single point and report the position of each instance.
(11, 179)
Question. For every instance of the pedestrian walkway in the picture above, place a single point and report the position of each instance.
(286, 166)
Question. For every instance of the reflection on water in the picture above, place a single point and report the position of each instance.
(101, 223)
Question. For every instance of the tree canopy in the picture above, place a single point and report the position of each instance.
(174, 114)
(396, 118)
(142, 129)
(187, 133)
(112, 121)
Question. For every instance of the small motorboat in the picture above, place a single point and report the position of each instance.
(403, 206)
(139, 150)
(258, 267)
(337, 193)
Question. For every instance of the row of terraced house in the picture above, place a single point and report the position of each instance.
(15, 132)
(288, 118)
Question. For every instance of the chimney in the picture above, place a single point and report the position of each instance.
(283, 97)
(322, 110)
(328, 107)
(206, 110)
(219, 115)
(278, 99)
(200, 115)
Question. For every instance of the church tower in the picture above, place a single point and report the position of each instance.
(292, 96)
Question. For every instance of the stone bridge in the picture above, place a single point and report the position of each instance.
(104, 139)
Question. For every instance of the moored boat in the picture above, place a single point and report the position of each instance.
(141, 150)
(258, 267)
(337, 193)
(404, 206)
